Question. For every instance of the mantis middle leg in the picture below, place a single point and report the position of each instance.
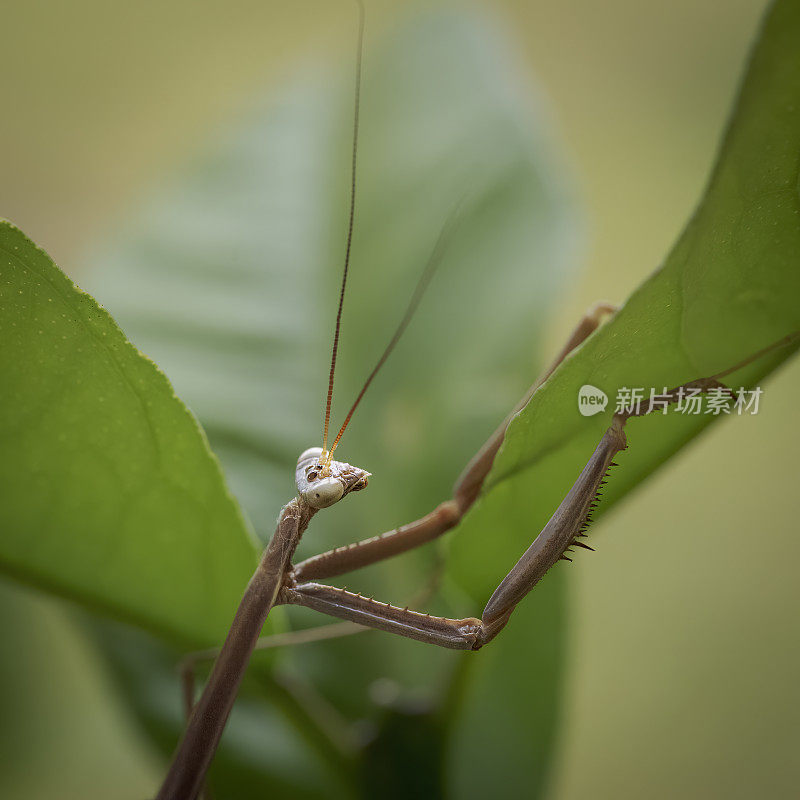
(448, 514)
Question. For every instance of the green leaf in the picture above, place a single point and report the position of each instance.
(728, 288)
(110, 495)
(229, 280)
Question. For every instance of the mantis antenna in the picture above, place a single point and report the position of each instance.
(422, 284)
(356, 112)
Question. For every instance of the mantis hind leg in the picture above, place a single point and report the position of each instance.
(190, 662)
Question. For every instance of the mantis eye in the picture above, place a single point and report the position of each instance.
(323, 493)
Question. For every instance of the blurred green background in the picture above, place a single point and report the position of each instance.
(682, 668)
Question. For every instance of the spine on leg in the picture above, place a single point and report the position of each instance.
(560, 532)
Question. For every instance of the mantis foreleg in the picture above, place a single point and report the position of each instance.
(562, 531)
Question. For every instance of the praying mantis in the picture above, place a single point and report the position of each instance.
(322, 481)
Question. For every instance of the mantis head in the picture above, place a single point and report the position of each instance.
(322, 482)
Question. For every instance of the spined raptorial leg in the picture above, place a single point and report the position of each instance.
(467, 488)
(563, 530)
